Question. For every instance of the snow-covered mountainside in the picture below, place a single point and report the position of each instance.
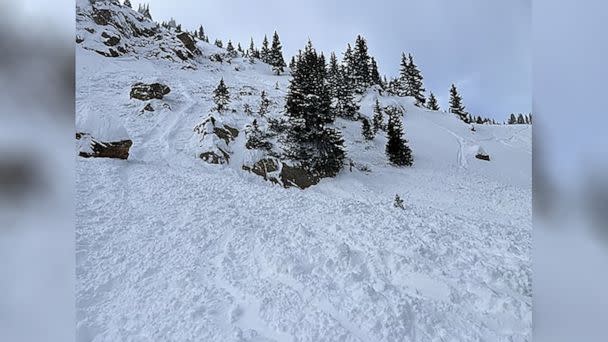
(170, 247)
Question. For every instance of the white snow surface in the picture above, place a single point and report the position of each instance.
(170, 248)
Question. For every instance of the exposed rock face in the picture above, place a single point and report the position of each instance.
(215, 140)
(100, 149)
(280, 173)
(145, 92)
(111, 40)
(189, 42)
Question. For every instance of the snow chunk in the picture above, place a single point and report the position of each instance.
(101, 126)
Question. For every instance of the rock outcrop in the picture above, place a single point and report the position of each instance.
(145, 92)
(93, 148)
(278, 172)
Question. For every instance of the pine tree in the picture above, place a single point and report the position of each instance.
(264, 104)
(396, 147)
(398, 203)
(265, 53)
(221, 96)
(247, 109)
(360, 67)
(366, 130)
(292, 63)
(456, 106)
(128, 3)
(345, 104)
(230, 49)
(415, 85)
(219, 43)
(402, 88)
(520, 119)
(479, 120)
(432, 104)
(378, 119)
(512, 119)
(256, 139)
(310, 142)
(251, 51)
(374, 74)
(333, 76)
(276, 55)
(201, 33)
(240, 49)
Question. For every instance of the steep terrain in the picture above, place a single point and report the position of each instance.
(170, 247)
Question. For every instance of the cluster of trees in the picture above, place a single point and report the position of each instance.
(409, 82)
(520, 119)
(143, 9)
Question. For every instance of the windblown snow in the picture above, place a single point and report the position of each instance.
(170, 248)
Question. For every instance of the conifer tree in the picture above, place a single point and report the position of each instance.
(256, 139)
(201, 33)
(456, 105)
(221, 96)
(230, 48)
(276, 55)
(512, 119)
(264, 104)
(318, 148)
(360, 66)
(247, 109)
(520, 119)
(396, 147)
(219, 43)
(374, 74)
(333, 76)
(378, 119)
(265, 53)
(402, 88)
(128, 3)
(366, 130)
(240, 49)
(432, 104)
(415, 85)
(479, 120)
(292, 63)
(252, 50)
(344, 103)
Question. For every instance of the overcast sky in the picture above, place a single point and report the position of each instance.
(482, 46)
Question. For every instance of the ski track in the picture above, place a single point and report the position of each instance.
(171, 248)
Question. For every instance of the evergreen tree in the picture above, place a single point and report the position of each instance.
(128, 3)
(221, 96)
(402, 87)
(201, 33)
(178, 28)
(396, 147)
(292, 63)
(219, 43)
(252, 51)
(374, 74)
(264, 104)
(520, 119)
(456, 105)
(432, 104)
(366, 130)
(240, 49)
(265, 53)
(398, 203)
(378, 120)
(310, 142)
(247, 109)
(512, 119)
(530, 118)
(360, 66)
(276, 55)
(415, 85)
(479, 120)
(344, 103)
(333, 76)
(231, 51)
(256, 139)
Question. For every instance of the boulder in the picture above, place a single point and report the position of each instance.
(110, 40)
(93, 148)
(214, 158)
(288, 175)
(145, 92)
(481, 154)
(188, 41)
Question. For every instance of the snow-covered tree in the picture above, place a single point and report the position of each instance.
(520, 119)
(265, 53)
(456, 105)
(374, 74)
(128, 3)
(221, 96)
(396, 147)
(333, 75)
(360, 66)
(276, 55)
(432, 104)
(317, 147)
(256, 138)
(415, 85)
(230, 49)
(378, 119)
(366, 130)
(218, 43)
(264, 104)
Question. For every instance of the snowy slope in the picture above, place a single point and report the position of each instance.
(172, 248)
